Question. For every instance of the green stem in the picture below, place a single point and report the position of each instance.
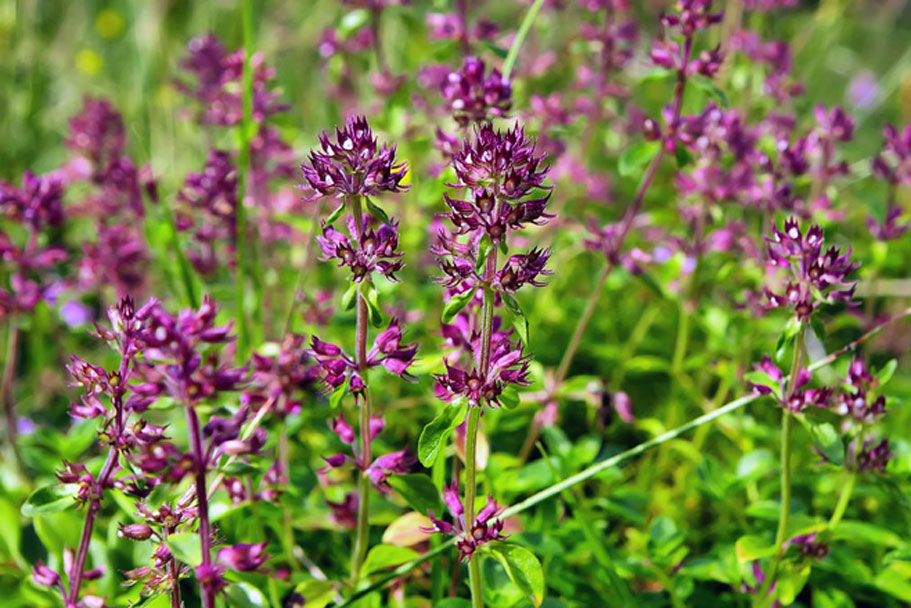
(843, 501)
(586, 522)
(513, 54)
(617, 459)
(438, 474)
(243, 186)
(471, 445)
(787, 431)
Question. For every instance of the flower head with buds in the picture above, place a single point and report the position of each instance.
(483, 530)
(353, 164)
(474, 97)
(817, 275)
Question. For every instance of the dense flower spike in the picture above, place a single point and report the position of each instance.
(474, 97)
(353, 164)
(209, 208)
(375, 250)
(483, 530)
(97, 133)
(771, 381)
(387, 350)
(817, 275)
(508, 366)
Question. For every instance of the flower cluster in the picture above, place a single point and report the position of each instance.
(816, 275)
(508, 366)
(388, 351)
(353, 164)
(38, 207)
(379, 470)
(209, 208)
(375, 250)
(773, 383)
(483, 530)
(474, 97)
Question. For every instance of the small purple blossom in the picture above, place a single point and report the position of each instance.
(508, 365)
(817, 275)
(376, 250)
(482, 531)
(474, 97)
(353, 164)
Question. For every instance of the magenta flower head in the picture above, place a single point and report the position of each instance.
(374, 251)
(472, 97)
(242, 557)
(387, 350)
(767, 379)
(97, 133)
(482, 531)
(508, 366)
(868, 456)
(209, 207)
(816, 276)
(353, 164)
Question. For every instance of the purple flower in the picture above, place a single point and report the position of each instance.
(482, 530)
(375, 250)
(97, 133)
(44, 576)
(817, 275)
(523, 269)
(215, 83)
(868, 455)
(353, 164)
(209, 206)
(387, 351)
(283, 378)
(472, 97)
(242, 557)
(772, 382)
(504, 162)
(508, 365)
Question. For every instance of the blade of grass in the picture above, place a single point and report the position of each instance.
(586, 522)
(246, 135)
(617, 459)
(513, 54)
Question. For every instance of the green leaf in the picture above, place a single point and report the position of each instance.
(636, 156)
(350, 297)
(373, 304)
(509, 398)
(49, 499)
(377, 212)
(519, 321)
(656, 75)
(708, 87)
(316, 594)
(826, 439)
(787, 337)
(523, 569)
(751, 547)
(484, 249)
(335, 399)
(240, 468)
(456, 304)
(895, 582)
(335, 214)
(886, 372)
(791, 579)
(185, 547)
(353, 21)
(453, 602)
(418, 491)
(437, 430)
(386, 556)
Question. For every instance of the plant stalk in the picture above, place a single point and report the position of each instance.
(9, 373)
(359, 550)
(202, 499)
(787, 430)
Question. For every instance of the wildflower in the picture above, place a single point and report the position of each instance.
(508, 365)
(375, 250)
(353, 164)
(472, 97)
(482, 531)
(387, 351)
(242, 557)
(771, 381)
(817, 275)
